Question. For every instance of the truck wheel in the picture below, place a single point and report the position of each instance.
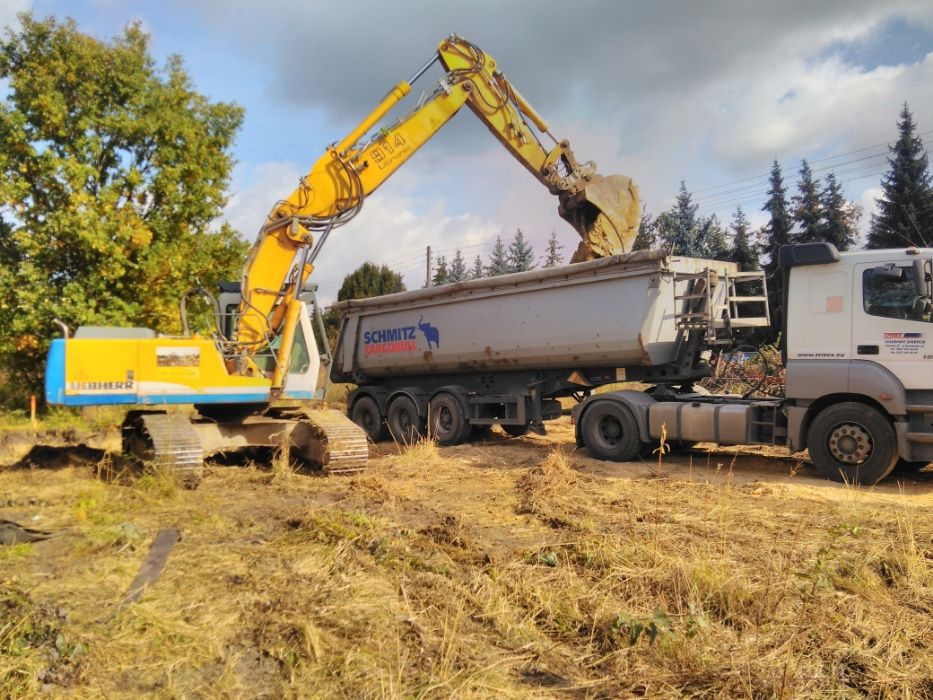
(365, 413)
(610, 432)
(515, 430)
(403, 420)
(447, 423)
(852, 442)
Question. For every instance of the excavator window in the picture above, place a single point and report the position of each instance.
(300, 359)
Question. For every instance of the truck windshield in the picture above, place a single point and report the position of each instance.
(891, 291)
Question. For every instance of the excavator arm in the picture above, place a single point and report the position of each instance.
(603, 210)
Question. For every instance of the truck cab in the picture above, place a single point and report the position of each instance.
(859, 356)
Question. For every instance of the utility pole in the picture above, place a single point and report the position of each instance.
(427, 278)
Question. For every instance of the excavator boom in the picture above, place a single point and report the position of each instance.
(604, 210)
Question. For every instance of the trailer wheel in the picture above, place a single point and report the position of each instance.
(610, 432)
(403, 420)
(515, 430)
(853, 443)
(446, 420)
(365, 413)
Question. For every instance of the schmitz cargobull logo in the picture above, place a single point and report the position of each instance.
(400, 338)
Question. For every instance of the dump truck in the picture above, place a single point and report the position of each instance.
(453, 360)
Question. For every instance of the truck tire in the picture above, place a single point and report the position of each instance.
(610, 431)
(403, 420)
(515, 430)
(852, 442)
(447, 422)
(365, 413)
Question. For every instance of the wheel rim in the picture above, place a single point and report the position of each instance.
(609, 430)
(445, 421)
(850, 443)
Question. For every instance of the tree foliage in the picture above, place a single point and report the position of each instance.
(370, 280)
(840, 217)
(441, 273)
(905, 209)
(498, 260)
(775, 233)
(112, 172)
(744, 250)
(808, 207)
(552, 254)
(458, 269)
(683, 232)
(520, 256)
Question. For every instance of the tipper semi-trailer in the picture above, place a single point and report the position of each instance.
(455, 359)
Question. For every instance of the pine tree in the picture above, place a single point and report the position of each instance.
(647, 230)
(553, 257)
(711, 239)
(477, 272)
(679, 230)
(458, 271)
(520, 256)
(441, 274)
(840, 218)
(808, 209)
(498, 260)
(744, 251)
(776, 232)
(905, 209)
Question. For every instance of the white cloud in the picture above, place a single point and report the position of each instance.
(9, 9)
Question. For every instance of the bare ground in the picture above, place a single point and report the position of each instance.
(507, 568)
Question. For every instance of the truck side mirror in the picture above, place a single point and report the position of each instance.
(923, 279)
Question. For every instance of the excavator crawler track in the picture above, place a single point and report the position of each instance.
(166, 440)
(329, 438)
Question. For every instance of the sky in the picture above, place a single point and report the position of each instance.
(709, 93)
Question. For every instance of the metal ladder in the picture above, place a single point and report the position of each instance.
(701, 306)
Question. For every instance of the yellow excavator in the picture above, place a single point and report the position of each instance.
(263, 348)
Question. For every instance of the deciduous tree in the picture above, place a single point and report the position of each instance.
(112, 173)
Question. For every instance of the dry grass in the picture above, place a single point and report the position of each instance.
(502, 570)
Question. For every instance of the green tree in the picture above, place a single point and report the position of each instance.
(552, 254)
(681, 231)
(498, 260)
(112, 174)
(647, 232)
(677, 227)
(441, 273)
(712, 239)
(905, 209)
(840, 217)
(744, 251)
(458, 269)
(477, 271)
(370, 280)
(520, 256)
(808, 207)
(775, 233)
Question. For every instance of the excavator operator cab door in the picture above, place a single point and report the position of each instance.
(305, 364)
(301, 382)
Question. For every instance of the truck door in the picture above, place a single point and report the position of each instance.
(892, 323)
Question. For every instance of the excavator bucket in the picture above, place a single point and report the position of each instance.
(606, 215)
